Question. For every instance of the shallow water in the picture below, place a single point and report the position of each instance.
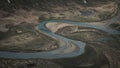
(64, 43)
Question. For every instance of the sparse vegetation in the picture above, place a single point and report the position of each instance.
(18, 32)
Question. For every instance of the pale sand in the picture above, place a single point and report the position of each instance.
(55, 26)
(71, 48)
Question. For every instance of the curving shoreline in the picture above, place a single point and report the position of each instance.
(77, 46)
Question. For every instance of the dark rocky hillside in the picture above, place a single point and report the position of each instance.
(10, 5)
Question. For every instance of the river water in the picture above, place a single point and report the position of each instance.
(67, 47)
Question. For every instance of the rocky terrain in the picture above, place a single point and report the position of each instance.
(19, 32)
